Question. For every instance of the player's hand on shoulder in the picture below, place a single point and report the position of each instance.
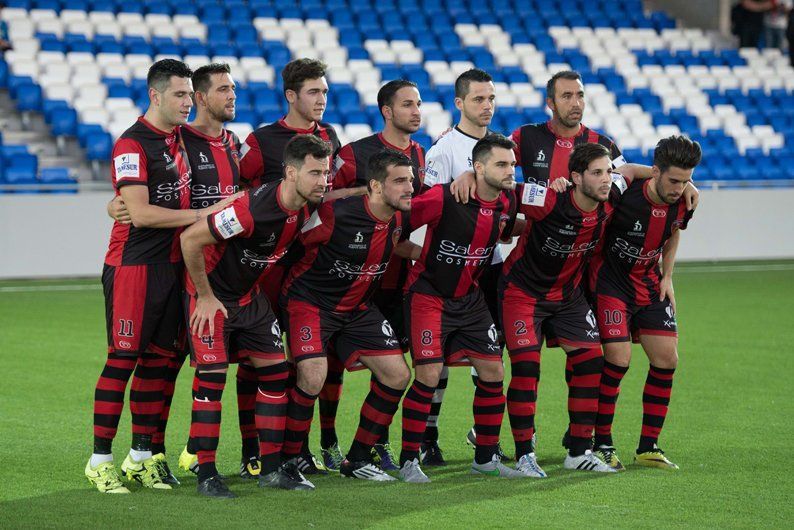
(204, 314)
(464, 186)
(691, 196)
(117, 211)
(560, 185)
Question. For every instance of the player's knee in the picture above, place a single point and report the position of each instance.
(397, 376)
(491, 372)
(310, 378)
(665, 359)
(429, 374)
(210, 385)
(618, 354)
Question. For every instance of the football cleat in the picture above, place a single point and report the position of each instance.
(430, 454)
(165, 472)
(188, 461)
(286, 477)
(146, 472)
(608, 454)
(587, 462)
(528, 466)
(249, 468)
(214, 487)
(411, 472)
(655, 458)
(494, 468)
(309, 465)
(364, 470)
(384, 457)
(471, 439)
(332, 457)
(105, 478)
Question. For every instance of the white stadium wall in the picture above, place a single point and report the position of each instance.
(67, 235)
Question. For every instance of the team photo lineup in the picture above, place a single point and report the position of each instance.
(292, 257)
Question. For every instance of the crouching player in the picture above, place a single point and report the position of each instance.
(447, 318)
(633, 294)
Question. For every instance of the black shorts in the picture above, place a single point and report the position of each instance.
(390, 304)
(310, 331)
(143, 308)
(526, 320)
(621, 321)
(489, 283)
(450, 330)
(250, 331)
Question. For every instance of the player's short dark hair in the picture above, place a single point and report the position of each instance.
(565, 74)
(486, 144)
(389, 90)
(583, 154)
(301, 145)
(465, 79)
(296, 72)
(202, 77)
(676, 151)
(161, 72)
(379, 164)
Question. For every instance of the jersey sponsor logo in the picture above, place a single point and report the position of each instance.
(168, 191)
(629, 252)
(430, 170)
(614, 332)
(591, 320)
(260, 261)
(565, 144)
(540, 160)
(658, 212)
(554, 248)
(534, 195)
(493, 336)
(427, 353)
(227, 224)
(202, 195)
(275, 330)
(387, 330)
(357, 272)
(291, 219)
(452, 253)
(125, 344)
(670, 322)
(637, 231)
(204, 162)
(541, 156)
(620, 182)
(127, 166)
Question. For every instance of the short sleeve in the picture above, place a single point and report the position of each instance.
(233, 221)
(535, 201)
(252, 164)
(437, 167)
(343, 171)
(426, 208)
(516, 137)
(317, 229)
(129, 163)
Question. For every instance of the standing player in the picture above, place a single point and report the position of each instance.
(326, 298)
(306, 91)
(250, 235)
(541, 293)
(447, 316)
(141, 277)
(633, 295)
(400, 103)
(449, 157)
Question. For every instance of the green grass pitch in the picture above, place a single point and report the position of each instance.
(730, 429)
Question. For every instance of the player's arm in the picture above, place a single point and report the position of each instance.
(408, 249)
(668, 263)
(464, 186)
(252, 162)
(117, 211)
(193, 241)
(343, 193)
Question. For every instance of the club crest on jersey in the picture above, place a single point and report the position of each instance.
(486, 211)
(127, 166)
(565, 144)
(534, 195)
(541, 156)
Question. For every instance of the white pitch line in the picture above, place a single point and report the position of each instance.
(48, 288)
(737, 268)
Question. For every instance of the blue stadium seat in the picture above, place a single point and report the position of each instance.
(63, 122)
(98, 146)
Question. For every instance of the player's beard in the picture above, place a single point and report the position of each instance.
(499, 185)
(666, 198)
(307, 196)
(591, 192)
(407, 127)
(395, 204)
(221, 115)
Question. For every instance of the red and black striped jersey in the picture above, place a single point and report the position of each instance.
(459, 242)
(347, 249)
(147, 156)
(558, 241)
(543, 156)
(350, 169)
(215, 166)
(627, 263)
(253, 233)
(350, 165)
(262, 155)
